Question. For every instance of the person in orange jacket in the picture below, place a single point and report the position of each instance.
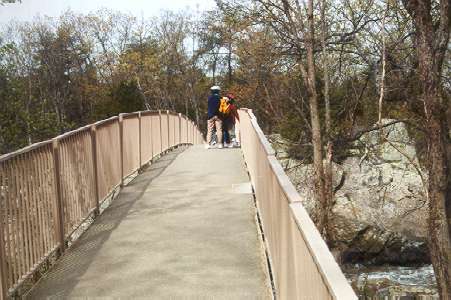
(229, 121)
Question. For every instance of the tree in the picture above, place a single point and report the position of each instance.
(299, 29)
(432, 37)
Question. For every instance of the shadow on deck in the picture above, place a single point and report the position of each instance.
(180, 229)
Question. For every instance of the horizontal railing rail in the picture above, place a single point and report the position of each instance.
(49, 189)
(301, 263)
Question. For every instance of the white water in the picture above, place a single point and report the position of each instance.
(411, 281)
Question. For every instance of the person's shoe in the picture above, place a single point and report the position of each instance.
(220, 146)
(207, 146)
(230, 145)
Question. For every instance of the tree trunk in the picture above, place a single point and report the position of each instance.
(27, 109)
(439, 196)
(322, 215)
(383, 58)
(214, 68)
(328, 171)
(431, 48)
(325, 67)
(229, 64)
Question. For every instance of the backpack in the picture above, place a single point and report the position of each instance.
(224, 107)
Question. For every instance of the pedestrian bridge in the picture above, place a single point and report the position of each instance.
(135, 207)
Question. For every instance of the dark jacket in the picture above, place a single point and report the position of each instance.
(213, 105)
(233, 116)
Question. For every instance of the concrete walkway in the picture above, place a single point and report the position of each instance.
(185, 228)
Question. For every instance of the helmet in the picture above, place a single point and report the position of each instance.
(231, 96)
(215, 88)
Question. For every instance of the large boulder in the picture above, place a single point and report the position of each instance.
(380, 211)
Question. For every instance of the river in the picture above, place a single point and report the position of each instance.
(389, 282)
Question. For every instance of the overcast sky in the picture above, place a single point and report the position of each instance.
(26, 10)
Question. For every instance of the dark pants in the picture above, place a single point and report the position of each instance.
(227, 125)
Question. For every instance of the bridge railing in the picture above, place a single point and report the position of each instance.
(301, 263)
(49, 189)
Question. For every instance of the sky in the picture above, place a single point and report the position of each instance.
(28, 9)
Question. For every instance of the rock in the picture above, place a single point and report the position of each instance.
(380, 212)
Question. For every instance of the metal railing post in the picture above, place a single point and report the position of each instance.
(121, 146)
(151, 140)
(194, 131)
(169, 131)
(196, 134)
(180, 128)
(3, 281)
(95, 167)
(175, 134)
(187, 129)
(161, 133)
(139, 141)
(59, 212)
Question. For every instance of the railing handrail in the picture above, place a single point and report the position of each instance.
(36, 180)
(106, 121)
(264, 141)
(333, 277)
(24, 150)
(33, 146)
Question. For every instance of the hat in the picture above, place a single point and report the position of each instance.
(215, 88)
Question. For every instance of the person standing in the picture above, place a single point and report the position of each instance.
(214, 120)
(230, 120)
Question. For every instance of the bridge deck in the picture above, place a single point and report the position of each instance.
(184, 228)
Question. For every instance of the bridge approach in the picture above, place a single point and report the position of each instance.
(134, 206)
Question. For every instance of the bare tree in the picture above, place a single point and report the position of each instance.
(328, 168)
(300, 30)
(384, 61)
(432, 39)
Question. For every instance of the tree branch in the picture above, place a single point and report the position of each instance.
(360, 133)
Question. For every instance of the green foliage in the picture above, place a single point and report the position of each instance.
(290, 127)
(60, 74)
(127, 98)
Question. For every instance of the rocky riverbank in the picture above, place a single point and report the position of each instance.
(380, 211)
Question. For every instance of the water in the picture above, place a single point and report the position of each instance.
(389, 282)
